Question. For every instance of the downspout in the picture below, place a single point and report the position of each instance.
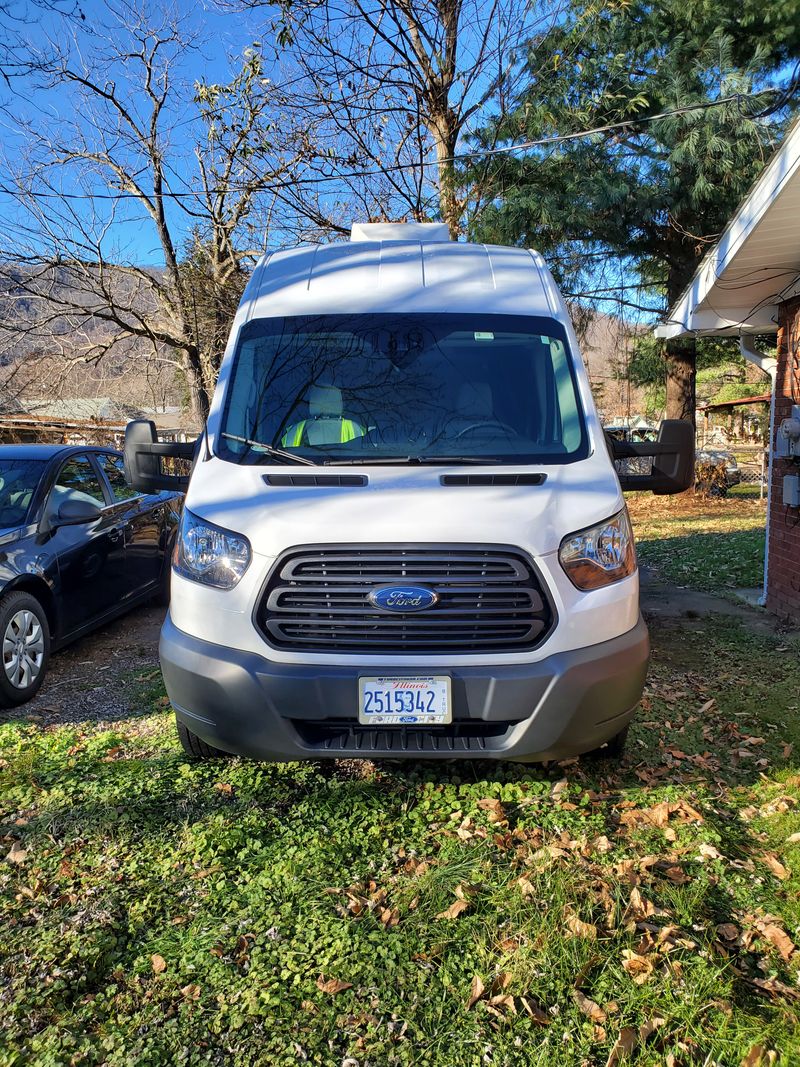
(770, 367)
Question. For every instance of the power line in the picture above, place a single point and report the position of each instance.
(520, 146)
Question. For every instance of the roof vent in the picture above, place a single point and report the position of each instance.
(400, 231)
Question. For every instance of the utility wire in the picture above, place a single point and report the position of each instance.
(520, 146)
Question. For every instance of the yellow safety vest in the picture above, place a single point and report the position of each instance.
(348, 431)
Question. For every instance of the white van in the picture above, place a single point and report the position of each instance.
(404, 535)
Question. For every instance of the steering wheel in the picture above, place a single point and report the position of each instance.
(509, 430)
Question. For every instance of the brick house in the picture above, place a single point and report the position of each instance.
(749, 283)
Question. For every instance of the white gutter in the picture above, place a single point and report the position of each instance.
(770, 367)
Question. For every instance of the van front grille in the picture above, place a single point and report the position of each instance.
(487, 600)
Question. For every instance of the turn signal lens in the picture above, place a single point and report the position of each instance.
(208, 554)
(600, 555)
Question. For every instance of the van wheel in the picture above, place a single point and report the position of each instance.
(195, 747)
(26, 648)
(614, 748)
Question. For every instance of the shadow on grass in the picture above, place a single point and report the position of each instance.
(711, 562)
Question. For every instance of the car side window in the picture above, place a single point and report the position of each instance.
(76, 481)
(114, 470)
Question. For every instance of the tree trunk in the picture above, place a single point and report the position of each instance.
(445, 139)
(681, 371)
(681, 354)
(199, 394)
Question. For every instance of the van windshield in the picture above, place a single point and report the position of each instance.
(402, 388)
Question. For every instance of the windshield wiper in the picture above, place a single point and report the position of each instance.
(486, 460)
(270, 450)
(408, 461)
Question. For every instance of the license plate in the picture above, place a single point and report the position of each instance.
(405, 701)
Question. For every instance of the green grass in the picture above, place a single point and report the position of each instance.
(256, 885)
(710, 545)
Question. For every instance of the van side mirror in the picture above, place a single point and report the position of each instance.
(144, 457)
(672, 453)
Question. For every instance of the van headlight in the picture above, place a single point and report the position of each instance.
(601, 554)
(208, 554)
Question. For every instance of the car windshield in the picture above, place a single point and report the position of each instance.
(18, 481)
(402, 388)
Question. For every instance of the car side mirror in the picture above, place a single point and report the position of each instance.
(672, 470)
(144, 457)
(76, 513)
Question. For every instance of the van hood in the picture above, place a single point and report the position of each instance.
(403, 504)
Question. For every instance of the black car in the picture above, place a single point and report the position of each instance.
(78, 546)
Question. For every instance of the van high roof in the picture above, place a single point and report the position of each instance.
(401, 267)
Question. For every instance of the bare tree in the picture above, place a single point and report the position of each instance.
(110, 158)
(397, 84)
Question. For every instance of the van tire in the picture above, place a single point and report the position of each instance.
(195, 747)
(614, 748)
(16, 608)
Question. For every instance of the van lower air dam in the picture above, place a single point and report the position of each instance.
(404, 532)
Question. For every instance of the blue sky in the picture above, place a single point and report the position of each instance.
(222, 37)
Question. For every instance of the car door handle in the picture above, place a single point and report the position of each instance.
(116, 532)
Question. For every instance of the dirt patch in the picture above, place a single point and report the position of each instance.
(661, 600)
(94, 679)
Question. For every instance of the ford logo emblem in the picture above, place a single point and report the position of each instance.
(403, 598)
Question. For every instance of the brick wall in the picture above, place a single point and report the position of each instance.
(783, 578)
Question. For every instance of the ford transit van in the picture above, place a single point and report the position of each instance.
(404, 534)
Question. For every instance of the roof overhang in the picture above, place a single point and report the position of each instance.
(755, 264)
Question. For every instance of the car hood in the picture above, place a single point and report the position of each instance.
(404, 504)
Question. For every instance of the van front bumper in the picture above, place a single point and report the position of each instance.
(562, 705)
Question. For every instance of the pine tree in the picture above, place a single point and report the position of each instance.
(654, 194)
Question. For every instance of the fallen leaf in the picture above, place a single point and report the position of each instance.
(623, 1047)
(776, 988)
(500, 983)
(776, 936)
(159, 964)
(17, 854)
(493, 808)
(539, 1015)
(502, 1003)
(389, 916)
(455, 909)
(728, 932)
(675, 874)
(191, 992)
(332, 986)
(578, 928)
(775, 865)
(476, 991)
(638, 906)
(647, 1029)
(709, 852)
(638, 967)
(758, 1056)
(792, 839)
(590, 1008)
(464, 892)
(526, 887)
(224, 787)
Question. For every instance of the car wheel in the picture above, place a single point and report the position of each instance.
(195, 747)
(26, 648)
(614, 748)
